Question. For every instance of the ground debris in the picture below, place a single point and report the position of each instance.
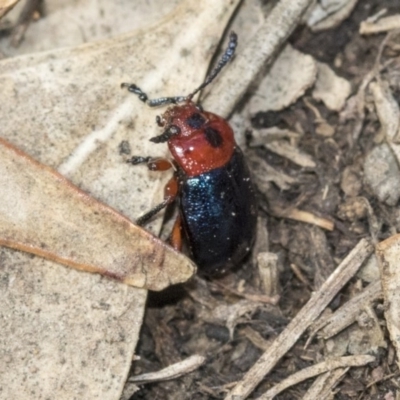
(310, 156)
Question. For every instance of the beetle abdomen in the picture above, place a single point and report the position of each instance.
(219, 214)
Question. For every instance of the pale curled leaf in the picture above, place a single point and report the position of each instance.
(330, 88)
(43, 213)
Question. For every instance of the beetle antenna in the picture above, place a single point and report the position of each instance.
(228, 54)
(226, 57)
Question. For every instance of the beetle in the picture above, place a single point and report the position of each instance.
(211, 181)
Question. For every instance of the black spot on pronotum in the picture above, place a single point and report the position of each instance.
(196, 121)
(213, 137)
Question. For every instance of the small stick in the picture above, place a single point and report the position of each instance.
(303, 216)
(348, 312)
(314, 370)
(323, 386)
(171, 372)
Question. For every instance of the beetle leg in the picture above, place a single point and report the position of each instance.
(170, 193)
(150, 214)
(153, 164)
(171, 189)
(159, 164)
(136, 160)
(176, 234)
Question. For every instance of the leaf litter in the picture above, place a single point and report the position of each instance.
(330, 320)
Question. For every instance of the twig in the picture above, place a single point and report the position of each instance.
(322, 386)
(385, 24)
(349, 312)
(303, 216)
(171, 372)
(384, 378)
(290, 152)
(307, 315)
(306, 373)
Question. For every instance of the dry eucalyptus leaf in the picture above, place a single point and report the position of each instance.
(43, 213)
(64, 333)
(82, 21)
(65, 108)
(6, 6)
(289, 77)
(388, 253)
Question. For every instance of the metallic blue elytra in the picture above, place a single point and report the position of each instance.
(219, 214)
